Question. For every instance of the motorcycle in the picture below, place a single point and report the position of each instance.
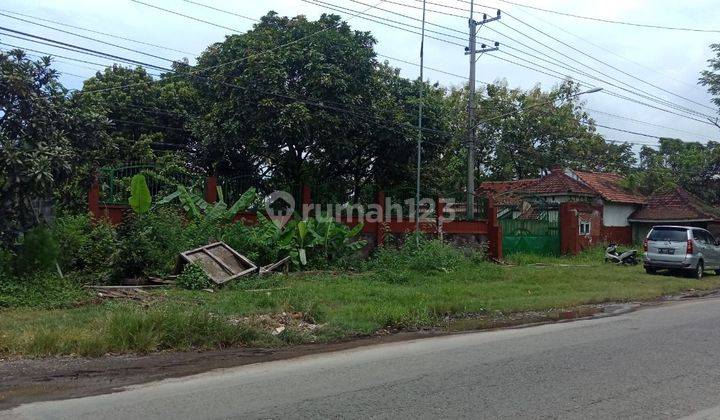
(628, 257)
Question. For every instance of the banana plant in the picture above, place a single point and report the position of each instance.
(200, 210)
(140, 198)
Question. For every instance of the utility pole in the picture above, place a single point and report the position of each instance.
(472, 51)
(420, 134)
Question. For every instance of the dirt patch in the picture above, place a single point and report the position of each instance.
(29, 380)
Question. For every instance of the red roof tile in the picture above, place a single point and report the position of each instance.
(557, 182)
(609, 188)
(505, 193)
(676, 205)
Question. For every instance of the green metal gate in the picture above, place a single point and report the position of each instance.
(530, 236)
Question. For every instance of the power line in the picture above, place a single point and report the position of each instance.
(88, 38)
(185, 16)
(97, 32)
(221, 10)
(617, 22)
(609, 51)
(644, 122)
(76, 48)
(579, 51)
(608, 92)
(647, 95)
(607, 64)
(379, 20)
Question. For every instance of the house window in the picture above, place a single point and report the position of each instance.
(585, 227)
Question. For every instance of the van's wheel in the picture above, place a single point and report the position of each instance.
(700, 270)
(717, 271)
(650, 270)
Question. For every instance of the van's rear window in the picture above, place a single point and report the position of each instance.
(668, 234)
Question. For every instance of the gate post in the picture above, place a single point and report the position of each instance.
(211, 195)
(94, 198)
(380, 224)
(494, 230)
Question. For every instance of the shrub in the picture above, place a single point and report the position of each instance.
(194, 278)
(38, 251)
(41, 290)
(151, 242)
(426, 255)
(86, 246)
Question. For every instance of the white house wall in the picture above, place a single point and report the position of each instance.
(617, 214)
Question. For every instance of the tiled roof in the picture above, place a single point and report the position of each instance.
(557, 182)
(505, 193)
(609, 188)
(678, 205)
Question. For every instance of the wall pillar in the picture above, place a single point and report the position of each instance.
(380, 224)
(440, 216)
(494, 230)
(211, 194)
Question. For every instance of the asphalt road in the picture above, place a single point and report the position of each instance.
(654, 363)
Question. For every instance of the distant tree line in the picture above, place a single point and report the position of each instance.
(297, 101)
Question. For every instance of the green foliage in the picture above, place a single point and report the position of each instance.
(140, 199)
(201, 211)
(194, 278)
(35, 150)
(41, 291)
(38, 251)
(87, 246)
(150, 243)
(693, 166)
(425, 255)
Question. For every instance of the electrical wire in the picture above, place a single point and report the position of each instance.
(76, 48)
(617, 22)
(88, 38)
(568, 57)
(93, 31)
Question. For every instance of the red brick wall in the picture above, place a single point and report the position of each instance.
(618, 234)
(571, 214)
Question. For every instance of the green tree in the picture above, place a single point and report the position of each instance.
(35, 149)
(693, 166)
(710, 78)
(319, 109)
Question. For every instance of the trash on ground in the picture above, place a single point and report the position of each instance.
(276, 324)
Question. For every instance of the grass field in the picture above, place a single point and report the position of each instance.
(336, 306)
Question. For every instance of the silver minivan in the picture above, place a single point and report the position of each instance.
(684, 248)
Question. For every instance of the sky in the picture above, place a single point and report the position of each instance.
(662, 63)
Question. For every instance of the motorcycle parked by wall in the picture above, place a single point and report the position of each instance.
(629, 257)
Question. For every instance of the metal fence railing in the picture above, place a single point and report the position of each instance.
(115, 181)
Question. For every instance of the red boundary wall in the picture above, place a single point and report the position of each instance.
(439, 227)
(571, 215)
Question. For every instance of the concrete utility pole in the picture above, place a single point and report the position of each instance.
(420, 134)
(472, 51)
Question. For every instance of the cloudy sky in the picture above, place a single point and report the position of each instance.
(664, 64)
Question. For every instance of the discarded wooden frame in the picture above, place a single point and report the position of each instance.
(220, 262)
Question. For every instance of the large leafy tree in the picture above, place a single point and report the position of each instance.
(319, 109)
(694, 166)
(521, 134)
(36, 131)
(710, 78)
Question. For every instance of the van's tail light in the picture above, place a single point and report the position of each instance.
(690, 249)
(645, 245)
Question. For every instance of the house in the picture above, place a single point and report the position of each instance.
(541, 198)
(676, 207)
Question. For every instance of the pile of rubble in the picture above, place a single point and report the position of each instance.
(278, 323)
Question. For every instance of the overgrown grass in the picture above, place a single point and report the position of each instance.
(42, 291)
(590, 256)
(345, 305)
